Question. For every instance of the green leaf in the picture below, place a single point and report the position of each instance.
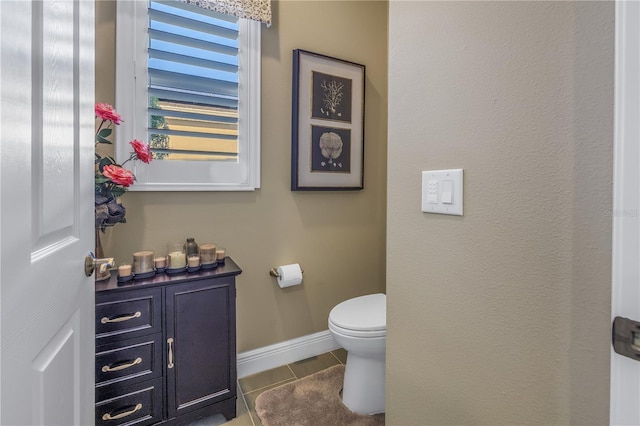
(106, 161)
(100, 139)
(105, 133)
(118, 191)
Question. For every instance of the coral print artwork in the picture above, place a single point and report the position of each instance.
(327, 123)
(331, 97)
(331, 150)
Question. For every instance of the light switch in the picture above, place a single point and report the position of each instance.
(442, 191)
(447, 192)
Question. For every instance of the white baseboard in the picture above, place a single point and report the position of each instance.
(268, 357)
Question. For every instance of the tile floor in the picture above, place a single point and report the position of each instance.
(251, 386)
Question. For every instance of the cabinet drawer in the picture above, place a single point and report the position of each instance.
(132, 360)
(135, 405)
(127, 315)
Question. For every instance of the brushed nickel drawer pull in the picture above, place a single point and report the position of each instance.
(108, 368)
(106, 320)
(108, 416)
(170, 343)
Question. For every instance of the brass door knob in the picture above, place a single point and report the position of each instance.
(90, 264)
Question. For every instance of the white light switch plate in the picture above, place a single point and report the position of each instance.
(442, 191)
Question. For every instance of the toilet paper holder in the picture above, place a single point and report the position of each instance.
(274, 272)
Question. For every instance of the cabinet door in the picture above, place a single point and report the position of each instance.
(201, 344)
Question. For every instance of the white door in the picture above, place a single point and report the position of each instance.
(46, 212)
(625, 372)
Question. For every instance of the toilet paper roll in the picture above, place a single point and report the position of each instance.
(289, 275)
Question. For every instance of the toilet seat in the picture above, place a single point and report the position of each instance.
(355, 333)
(364, 316)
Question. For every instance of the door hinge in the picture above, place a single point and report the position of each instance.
(626, 337)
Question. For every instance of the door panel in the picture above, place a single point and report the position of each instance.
(46, 221)
(51, 379)
(54, 118)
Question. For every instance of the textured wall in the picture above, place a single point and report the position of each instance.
(500, 316)
(338, 237)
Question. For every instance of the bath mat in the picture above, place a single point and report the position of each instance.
(311, 401)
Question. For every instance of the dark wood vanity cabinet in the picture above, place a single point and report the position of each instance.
(166, 348)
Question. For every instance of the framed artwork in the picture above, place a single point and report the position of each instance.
(327, 136)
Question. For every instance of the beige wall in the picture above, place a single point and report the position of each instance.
(337, 237)
(500, 316)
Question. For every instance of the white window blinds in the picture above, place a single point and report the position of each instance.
(192, 83)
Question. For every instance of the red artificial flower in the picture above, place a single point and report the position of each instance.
(142, 150)
(118, 175)
(106, 112)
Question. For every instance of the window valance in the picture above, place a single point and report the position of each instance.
(257, 10)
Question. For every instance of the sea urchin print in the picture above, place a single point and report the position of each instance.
(330, 146)
(330, 149)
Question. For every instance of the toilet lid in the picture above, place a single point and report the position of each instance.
(364, 313)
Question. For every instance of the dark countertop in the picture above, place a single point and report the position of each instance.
(229, 268)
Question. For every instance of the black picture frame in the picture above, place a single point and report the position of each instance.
(327, 132)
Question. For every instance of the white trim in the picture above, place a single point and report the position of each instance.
(268, 357)
(251, 56)
(131, 104)
(625, 280)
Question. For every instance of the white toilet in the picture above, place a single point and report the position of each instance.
(359, 325)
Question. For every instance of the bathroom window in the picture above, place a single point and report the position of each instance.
(188, 82)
